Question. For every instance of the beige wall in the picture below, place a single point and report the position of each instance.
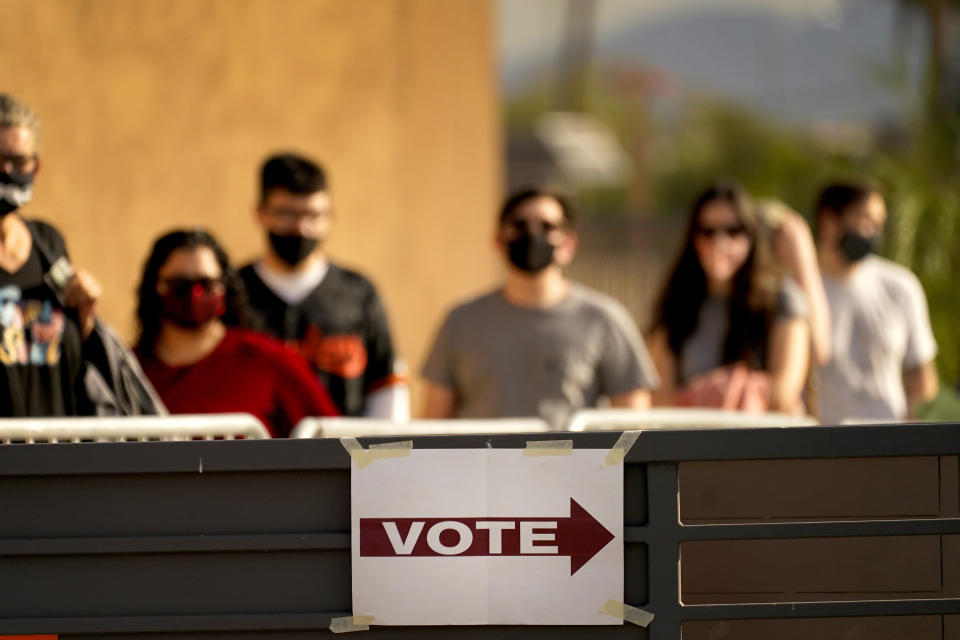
(156, 114)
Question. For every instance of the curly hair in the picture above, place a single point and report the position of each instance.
(238, 313)
(753, 296)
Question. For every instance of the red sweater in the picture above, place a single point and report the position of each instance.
(248, 372)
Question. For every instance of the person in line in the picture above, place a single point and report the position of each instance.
(332, 315)
(729, 330)
(46, 327)
(884, 350)
(539, 345)
(196, 346)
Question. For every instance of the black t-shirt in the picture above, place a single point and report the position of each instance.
(340, 328)
(41, 348)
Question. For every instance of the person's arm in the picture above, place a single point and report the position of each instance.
(788, 362)
(82, 293)
(797, 252)
(666, 364)
(440, 401)
(920, 381)
(636, 399)
(385, 376)
(389, 403)
(625, 370)
(921, 385)
(438, 373)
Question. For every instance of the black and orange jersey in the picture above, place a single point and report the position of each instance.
(340, 328)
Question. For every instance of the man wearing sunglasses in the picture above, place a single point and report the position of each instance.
(332, 315)
(540, 345)
(48, 308)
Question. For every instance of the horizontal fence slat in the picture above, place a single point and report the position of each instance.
(173, 544)
(171, 624)
(853, 608)
(833, 529)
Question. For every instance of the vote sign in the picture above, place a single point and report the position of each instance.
(487, 536)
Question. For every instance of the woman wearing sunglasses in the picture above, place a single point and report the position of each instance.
(730, 331)
(197, 348)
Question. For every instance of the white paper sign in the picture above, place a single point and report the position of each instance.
(487, 536)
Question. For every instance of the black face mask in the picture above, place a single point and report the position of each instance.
(16, 189)
(531, 252)
(292, 249)
(856, 246)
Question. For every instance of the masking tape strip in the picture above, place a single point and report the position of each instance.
(351, 623)
(549, 448)
(363, 457)
(627, 613)
(620, 449)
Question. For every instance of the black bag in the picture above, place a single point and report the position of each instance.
(115, 383)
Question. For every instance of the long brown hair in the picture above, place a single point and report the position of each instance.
(753, 295)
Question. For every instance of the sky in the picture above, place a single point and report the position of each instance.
(802, 61)
(528, 27)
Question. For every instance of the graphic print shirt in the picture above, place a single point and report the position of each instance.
(340, 328)
(40, 345)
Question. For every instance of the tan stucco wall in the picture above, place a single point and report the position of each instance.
(157, 113)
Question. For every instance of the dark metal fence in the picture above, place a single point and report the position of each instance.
(251, 539)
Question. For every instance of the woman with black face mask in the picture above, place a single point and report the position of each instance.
(197, 347)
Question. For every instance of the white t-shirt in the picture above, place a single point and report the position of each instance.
(880, 328)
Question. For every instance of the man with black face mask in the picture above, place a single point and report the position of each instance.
(47, 306)
(332, 315)
(883, 347)
(540, 345)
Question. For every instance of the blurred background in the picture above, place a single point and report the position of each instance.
(157, 113)
(636, 106)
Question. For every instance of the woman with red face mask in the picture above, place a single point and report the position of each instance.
(197, 347)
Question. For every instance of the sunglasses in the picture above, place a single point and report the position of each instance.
(186, 286)
(522, 225)
(730, 231)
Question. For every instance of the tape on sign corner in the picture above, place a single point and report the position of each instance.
(619, 451)
(627, 613)
(348, 624)
(549, 448)
(363, 457)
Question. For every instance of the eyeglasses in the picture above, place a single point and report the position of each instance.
(18, 163)
(180, 285)
(730, 231)
(296, 216)
(522, 225)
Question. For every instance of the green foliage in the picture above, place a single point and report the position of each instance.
(709, 139)
(923, 195)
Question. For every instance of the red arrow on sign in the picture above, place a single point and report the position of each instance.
(579, 536)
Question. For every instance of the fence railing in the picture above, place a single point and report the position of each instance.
(228, 426)
(206, 539)
(583, 420)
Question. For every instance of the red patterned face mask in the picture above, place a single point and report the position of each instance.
(192, 303)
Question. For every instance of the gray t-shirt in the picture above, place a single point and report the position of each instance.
(501, 360)
(879, 328)
(703, 350)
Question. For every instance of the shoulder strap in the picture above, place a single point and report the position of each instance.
(48, 255)
(54, 263)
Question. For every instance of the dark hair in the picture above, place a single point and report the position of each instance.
(837, 197)
(520, 197)
(753, 297)
(238, 312)
(292, 172)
